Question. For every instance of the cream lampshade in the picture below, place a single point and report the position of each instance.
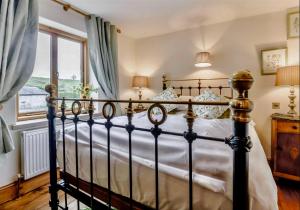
(140, 82)
(289, 76)
(203, 59)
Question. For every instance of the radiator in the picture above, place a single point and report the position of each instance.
(34, 152)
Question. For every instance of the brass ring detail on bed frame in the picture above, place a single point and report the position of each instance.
(163, 111)
(113, 108)
(76, 111)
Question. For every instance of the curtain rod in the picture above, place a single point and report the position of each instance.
(67, 7)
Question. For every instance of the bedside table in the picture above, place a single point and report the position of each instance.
(137, 110)
(286, 147)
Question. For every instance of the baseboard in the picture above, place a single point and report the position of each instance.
(10, 192)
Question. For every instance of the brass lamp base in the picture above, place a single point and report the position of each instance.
(140, 105)
(292, 104)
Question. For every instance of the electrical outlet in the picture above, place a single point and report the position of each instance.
(275, 105)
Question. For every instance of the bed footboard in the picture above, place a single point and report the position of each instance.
(97, 197)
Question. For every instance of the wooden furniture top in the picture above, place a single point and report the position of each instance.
(285, 117)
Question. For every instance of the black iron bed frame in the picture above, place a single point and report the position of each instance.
(197, 88)
(97, 197)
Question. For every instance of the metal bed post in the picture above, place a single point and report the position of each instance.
(91, 123)
(63, 120)
(76, 110)
(108, 125)
(156, 132)
(51, 103)
(130, 128)
(240, 141)
(190, 136)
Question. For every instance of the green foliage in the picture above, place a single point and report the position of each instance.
(66, 87)
(85, 90)
(38, 82)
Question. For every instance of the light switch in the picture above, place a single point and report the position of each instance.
(275, 105)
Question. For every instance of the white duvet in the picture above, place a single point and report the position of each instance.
(212, 164)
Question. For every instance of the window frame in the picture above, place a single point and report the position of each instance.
(55, 34)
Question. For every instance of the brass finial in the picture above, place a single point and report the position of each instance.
(51, 90)
(164, 81)
(190, 116)
(63, 105)
(129, 111)
(91, 107)
(241, 106)
(241, 81)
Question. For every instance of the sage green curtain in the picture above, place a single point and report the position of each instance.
(103, 55)
(18, 42)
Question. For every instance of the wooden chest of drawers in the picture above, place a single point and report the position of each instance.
(286, 147)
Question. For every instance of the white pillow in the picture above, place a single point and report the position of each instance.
(167, 95)
(209, 111)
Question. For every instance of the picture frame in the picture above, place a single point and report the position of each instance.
(271, 59)
(293, 21)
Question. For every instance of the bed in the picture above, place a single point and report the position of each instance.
(178, 162)
(212, 169)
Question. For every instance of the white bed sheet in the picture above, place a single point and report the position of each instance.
(212, 164)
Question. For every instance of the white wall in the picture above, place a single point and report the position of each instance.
(234, 45)
(127, 65)
(10, 164)
(55, 12)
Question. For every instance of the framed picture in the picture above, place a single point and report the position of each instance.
(273, 59)
(293, 25)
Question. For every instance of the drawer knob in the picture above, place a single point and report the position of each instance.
(294, 153)
(294, 127)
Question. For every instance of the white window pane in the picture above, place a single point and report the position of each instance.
(69, 68)
(32, 95)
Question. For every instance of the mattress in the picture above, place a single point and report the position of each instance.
(212, 164)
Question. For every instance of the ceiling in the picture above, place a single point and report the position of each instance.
(144, 18)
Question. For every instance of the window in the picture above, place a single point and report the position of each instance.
(60, 60)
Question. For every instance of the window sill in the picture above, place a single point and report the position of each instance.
(41, 123)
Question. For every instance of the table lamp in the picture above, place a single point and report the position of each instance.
(289, 76)
(140, 82)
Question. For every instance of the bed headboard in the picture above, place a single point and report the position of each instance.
(187, 90)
